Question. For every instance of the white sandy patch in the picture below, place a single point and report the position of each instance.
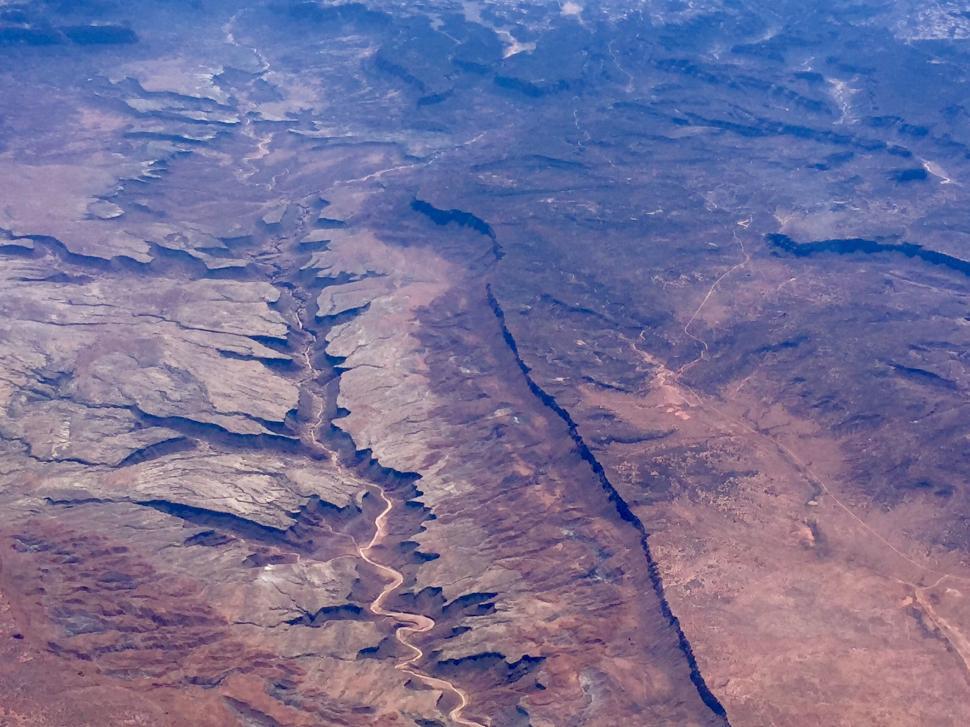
(937, 171)
(842, 94)
(512, 44)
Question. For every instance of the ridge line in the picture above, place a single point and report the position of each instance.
(622, 508)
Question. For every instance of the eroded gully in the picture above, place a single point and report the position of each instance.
(417, 623)
(410, 624)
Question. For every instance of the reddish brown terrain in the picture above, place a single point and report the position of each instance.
(487, 364)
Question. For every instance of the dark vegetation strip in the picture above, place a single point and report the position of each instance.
(871, 247)
(622, 508)
(460, 218)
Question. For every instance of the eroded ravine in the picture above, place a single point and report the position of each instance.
(279, 276)
(416, 623)
(419, 623)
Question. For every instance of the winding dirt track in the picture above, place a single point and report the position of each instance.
(419, 624)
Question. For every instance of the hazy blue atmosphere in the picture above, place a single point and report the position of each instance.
(484, 363)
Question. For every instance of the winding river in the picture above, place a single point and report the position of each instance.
(416, 623)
